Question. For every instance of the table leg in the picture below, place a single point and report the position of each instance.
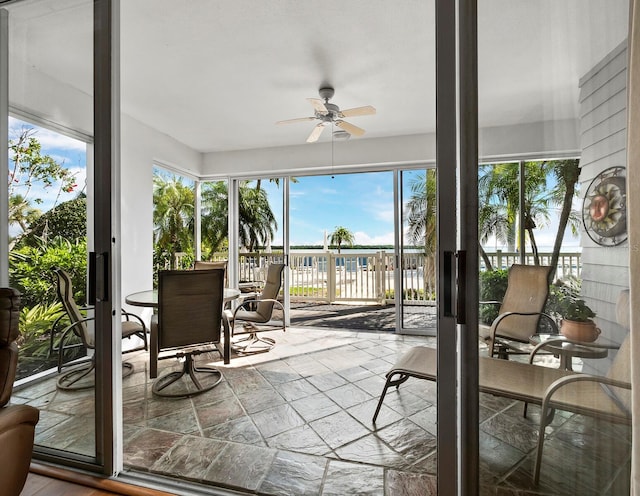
(566, 362)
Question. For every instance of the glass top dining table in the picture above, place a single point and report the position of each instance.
(149, 298)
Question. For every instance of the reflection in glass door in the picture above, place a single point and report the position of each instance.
(51, 202)
(562, 78)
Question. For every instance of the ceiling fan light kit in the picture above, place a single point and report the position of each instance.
(329, 113)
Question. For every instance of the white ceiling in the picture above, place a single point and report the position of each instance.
(216, 75)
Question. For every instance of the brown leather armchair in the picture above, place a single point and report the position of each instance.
(17, 422)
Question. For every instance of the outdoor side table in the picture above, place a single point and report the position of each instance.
(566, 351)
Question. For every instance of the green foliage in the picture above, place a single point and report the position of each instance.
(410, 294)
(35, 324)
(33, 343)
(564, 302)
(493, 286)
(31, 269)
(306, 291)
(67, 220)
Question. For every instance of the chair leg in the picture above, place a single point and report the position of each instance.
(546, 416)
(390, 383)
(69, 380)
(254, 344)
(189, 368)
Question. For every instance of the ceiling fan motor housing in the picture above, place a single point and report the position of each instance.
(326, 93)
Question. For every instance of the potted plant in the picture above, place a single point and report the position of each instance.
(575, 315)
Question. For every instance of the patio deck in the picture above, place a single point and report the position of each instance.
(297, 420)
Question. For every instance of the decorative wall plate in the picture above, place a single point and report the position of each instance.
(604, 210)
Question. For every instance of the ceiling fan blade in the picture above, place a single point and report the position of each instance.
(352, 112)
(350, 128)
(318, 105)
(300, 119)
(315, 134)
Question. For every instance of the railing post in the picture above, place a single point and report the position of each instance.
(331, 276)
(499, 259)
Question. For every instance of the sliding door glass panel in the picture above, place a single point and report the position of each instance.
(260, 231)
(416, 299)
(214, 220)
(50, 195)
(173, 221)
(342, 237)
(552, 117)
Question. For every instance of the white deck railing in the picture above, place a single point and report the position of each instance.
(369, 277)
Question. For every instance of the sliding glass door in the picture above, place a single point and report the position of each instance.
(553, 114)
(57, 216)
(416, 247)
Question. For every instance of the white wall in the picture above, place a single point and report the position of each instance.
(537, 140)
(141, 147)
(603, 131)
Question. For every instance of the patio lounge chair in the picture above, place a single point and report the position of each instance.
(256, 314)
(607, 397)
(520, 311)
(73, 379)
(188, 323)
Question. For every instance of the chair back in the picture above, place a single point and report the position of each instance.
(527, 291)
(189, 307)
(9, 332)
(218, 264)
(620, 369)
(270, 291)
(64, 289)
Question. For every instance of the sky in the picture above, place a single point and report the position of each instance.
(363, 203)
(68, 152)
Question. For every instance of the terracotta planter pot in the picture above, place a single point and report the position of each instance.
(579, 331)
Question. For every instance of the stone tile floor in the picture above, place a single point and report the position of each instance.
(297, 420)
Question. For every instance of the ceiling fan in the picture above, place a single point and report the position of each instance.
(328, 113)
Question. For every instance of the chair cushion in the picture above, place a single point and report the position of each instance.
(9, 315)
(8, 366)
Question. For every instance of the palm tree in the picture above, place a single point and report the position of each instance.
(498, 191)
(342, 235)
(174, 204)
(420, 212)
(566, 173)
(21, 212)
(214, 220)
(257, 221)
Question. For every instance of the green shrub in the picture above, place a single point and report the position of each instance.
(564, 302)
(35, 324)
(493, 286)
(33, 343)
(67, 220)
(31, 269)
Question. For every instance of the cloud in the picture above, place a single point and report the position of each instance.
(328, 191)
(47, 138)
(362, 238)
